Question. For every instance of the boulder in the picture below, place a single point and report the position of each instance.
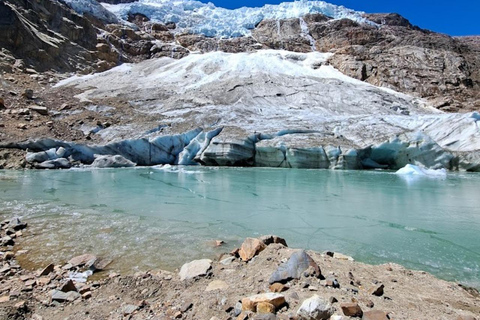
(275, 299)
(196, 268)
(47, 270)
(298, 262)
(250, 248)
(315, 308)
(68, 286)
(265, 308)
(112, 161)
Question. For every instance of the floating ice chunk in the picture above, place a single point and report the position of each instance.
(413, 170)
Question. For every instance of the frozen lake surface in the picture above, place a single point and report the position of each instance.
(149, 218)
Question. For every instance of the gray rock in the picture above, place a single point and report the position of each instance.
(196, 268)
(112, 161)
(298, 262)
(16, 224)
(59, 296)
(129, 309)
(315, 308)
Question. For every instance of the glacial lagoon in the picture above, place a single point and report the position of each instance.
(150, 218)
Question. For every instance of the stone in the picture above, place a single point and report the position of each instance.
(250, 248)
(250, 303)
(16, 224)
(219, 243)
(8, 255)
(47, 270)
(278, 287)
(87, 295)
(340, 256)
(82, 260)
(331, 281)
(217, 285)
(265, 316)
(196, 268)
(377, 290)
(28, 93)
(298, 262)
(2, 103)
(315, 308)
(227, 261)
(43, 281)
(4, 298)
(39, 109)
(186, 306)
(100, 264)
(375, 315)
(68, 286)
(31, 283)
(269, 239)
(265, 307)
(59, 296)
(351, 309)
(129, 309)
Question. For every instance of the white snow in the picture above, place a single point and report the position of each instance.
(93, 8)
(413, 170)
(207, 19)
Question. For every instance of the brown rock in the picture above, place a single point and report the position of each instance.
(250, 303)
(8, 255)
(87, 295)
(47, 270)
(269, 239)
(68, 286)
(265, 307)
(4, 299)
(376, 290)
(250, 248)
(43, 281)
(278, 287)
(375, 315)
(82, 260)
(351, 309)
(2, 103)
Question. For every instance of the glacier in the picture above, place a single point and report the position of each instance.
(266, 108)
(207, 19)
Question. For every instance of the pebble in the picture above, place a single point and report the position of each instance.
(351, 309)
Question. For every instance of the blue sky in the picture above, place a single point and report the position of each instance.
(458, 17)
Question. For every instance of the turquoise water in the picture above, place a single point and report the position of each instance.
(147, 218)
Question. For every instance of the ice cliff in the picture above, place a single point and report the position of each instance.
(209, 20)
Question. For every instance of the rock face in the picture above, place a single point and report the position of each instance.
(298, 262)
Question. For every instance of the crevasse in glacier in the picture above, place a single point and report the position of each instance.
(209, 20)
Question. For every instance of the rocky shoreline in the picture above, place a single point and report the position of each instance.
(263, 279)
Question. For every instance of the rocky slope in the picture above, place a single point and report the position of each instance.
(263, 279)
(235, 104)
